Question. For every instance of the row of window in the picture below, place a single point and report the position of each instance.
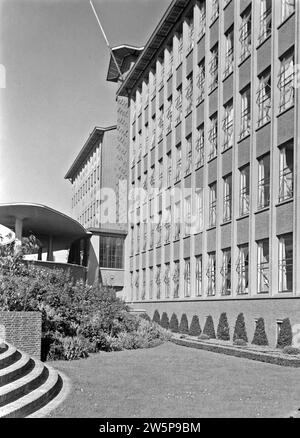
(86, 186)
(88, 217)
(111, 252)
(167, 282)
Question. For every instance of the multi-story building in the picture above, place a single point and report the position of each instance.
(98, 175)
(214, 135)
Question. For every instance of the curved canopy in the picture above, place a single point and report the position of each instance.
(43, 222)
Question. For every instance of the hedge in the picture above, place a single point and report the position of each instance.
(156, 317)
(174, 324)
(209, 328)
(164, 322)
(223, 328)
(260, 336)
(240, 328)
(184, 325)
(195, 329)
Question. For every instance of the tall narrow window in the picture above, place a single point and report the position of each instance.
(160, 123)
(226, 272)
(202, 19)
(199, 209)
(246, 112)
(243, 270)
(176, 277)
(286, 81)
(132, 241)
(263, 260)
(213, 67)
(153, 137)
(143, 296)
(178, 163)
(189, 94)
(228, 126)
(138, 237)
(214, 10)
(190, 24)
(286, 164)
(170, 63)
(287, 8)
(169, 112)
(180, 49)
(160, 173)
(212, 204)
(161, 76)
(213, 137)
(264, 181)
(245, 34)
(177, 218)
(211, 274)
(187, 278)
(265, 20)
(244, 190)
(145, 227)
(229, 53)
(286, 263)
(264, 98)
(158, 282)
(178, 104)
(158, 229)
(151, 241)
(189, 152)
(201, 81)
(187, 215)
(199, 276)
(167, 224)
(227, 198)
(167, 280)
(151, 283)
(169, 168)
(137, 285)
(200, 147)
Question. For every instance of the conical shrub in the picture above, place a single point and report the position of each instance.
(285, 337)
(156, 317)
(184, 325)
(260, 336)
(164, 322)
(240, 328)
(209, 328)
(223, 328)
(174, 324)
(195, 329)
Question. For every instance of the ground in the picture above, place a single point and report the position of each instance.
(175, 381)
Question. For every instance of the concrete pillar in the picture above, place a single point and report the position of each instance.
(18, 233)
(50, 257)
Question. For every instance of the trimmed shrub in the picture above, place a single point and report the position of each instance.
(203, 337)
(195, 329)
(184, 325)
(240, 342)
(240, 328)
(223, 328)
(174, 324)
(260, 336)
(156, 317)
(291, 350)
(164, 322)
(285, 337)
(145, 316)
(209, 328)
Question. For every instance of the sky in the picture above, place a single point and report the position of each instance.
(56, 91)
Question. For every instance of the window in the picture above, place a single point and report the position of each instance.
(160, 123)
(162, 73)
(180, 49)
(246, 112)
(158, 229)
(199, 276)
(158, 282)
(137, 285)
(177, 218)
(265, 20)
(228, 126)
(178, 104)
(286, 82)
(167, 280)
(213, 137)
(151, 283)
(188, 215)
(111, 251)
(245, 34)
(287, 8)
(151, 242)
(214, 10)
(201, 81)
(189, 94)
(169, 169)
(263, 266)
(264, 181)
(286, 164)
(176, 277)
(170, 63)
(190, 44)
(152, 176)
(213, 68)
(226, 272)
(244, 190)
(189, 152)
(143, 296)
(286, 263)
(211, 274)
(187, 278)
(169, 115)
(178, 163)
(227, 180)
(212, 204)
(229, 52)
(199, 208)
(200, 147)
(243, 270)
(160, 174)
(168, 225)
(202, 19)
(138, 238)
(153, 138)
(264, 98)
(145, 226)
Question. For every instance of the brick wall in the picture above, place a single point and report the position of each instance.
(23, 330)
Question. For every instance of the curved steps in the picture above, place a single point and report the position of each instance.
(28, 386)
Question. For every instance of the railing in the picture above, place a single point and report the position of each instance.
(263, 277)
(212, 213)
(263, 192)
(244, 201)
(285, 184)
(265, 25)
(245, 123)
(228, 62)
(227, 208)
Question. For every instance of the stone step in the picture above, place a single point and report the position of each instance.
(16, 370)
(9, 356)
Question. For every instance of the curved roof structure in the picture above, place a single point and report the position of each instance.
(42, 222)
(124, 56)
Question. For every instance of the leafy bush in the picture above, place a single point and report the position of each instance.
(285, 337)
(156, 317)
(260, 336)
(184, 325)
(240, 342)
(68, 348)
(164, 322)
(223, 328)
(291, 350)
(145, 316)
(195, 329)
(240, 328)
(209, 328)
(203, 337)
(174, 324)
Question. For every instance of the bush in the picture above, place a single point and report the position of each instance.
(145, 316)
(68, 348)
(164, 322)
(195, 329)
(184, 325)
(285, 337)
(291, 350)
(174, 324)
(240, 342)
(223, 328)
(156, 317)
(209, 328)
(240, 328)
(203, 337)
(260, 336)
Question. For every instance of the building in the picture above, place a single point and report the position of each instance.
(214, 133)
(98, 176)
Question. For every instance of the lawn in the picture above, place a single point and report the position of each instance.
(175, 381)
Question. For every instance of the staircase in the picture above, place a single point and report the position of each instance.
(28, 387)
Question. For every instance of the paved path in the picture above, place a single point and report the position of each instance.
(175, 381)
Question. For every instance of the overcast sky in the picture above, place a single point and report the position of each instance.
(56, 91)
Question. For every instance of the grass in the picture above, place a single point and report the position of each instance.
(174, 381)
